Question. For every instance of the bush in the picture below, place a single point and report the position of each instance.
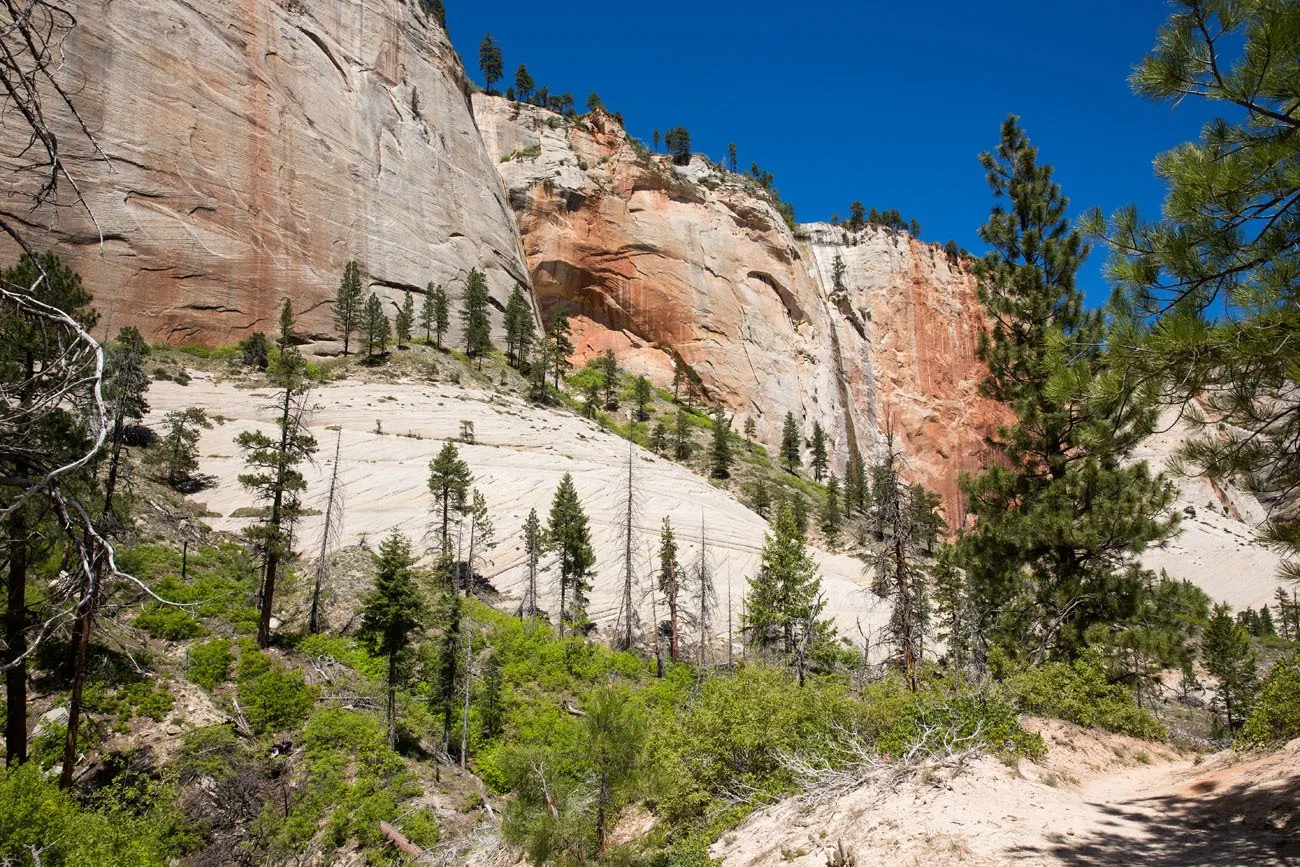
(146, 698)
(1276, 717)
(168, 622)
(1080, 693)
(272, 698)
(209, 663)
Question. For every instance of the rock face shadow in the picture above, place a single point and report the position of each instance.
(1203, 824)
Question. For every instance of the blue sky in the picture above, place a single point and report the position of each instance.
(889, 103)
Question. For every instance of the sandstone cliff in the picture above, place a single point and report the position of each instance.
(653, 260)
(255, 147)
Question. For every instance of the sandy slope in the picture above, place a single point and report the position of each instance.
(1096, 799)
(520, 454)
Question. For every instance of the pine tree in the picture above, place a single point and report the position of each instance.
(490, 62)
(520, 331)
(274, 475)
(533, 545)
(435, 315)
(681, 437)
(391, 614)
(125, 385)
(375, 328)
(492, 710)
(446, 663)
(751, 429)
(678, 142)
(1225, 648)
(348, 303)
(524, 84)
(286, 323)
(1063, 517)
(642, 393)
(659, 438)
(857, 216)
(608, 368)
(799, 514)
(656, 140)
(474, 317)
(539, 371)
(613, 732)
(591, 398)
(720, 456)
(482, 536)
(731, 156)
(405, 319)
(790, 443)
(818, 452)
(1210, 285)
(449, 482)
(670, 583)
(568, 536)
(679, 376)
(762, 497)
(176, 455)
(561, 345)
(831, 514)
(784, 605)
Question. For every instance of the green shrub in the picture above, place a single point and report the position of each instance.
(272, 698)
(209, 663)
(346, 652)
(168, 622)
(146, 698)
(421, 828)
(1276, 716)
(1080, 693)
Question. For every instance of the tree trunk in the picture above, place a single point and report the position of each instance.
(16, 639)
(114, 458)
(273, 547)
(84, 622)
(392, 701)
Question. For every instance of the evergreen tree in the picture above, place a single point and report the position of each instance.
(492, 711)
(348, 304)
(679, 376)
(254, 351)
(375, 328)
(520, 331)
(125, 385)
(1063, 517)
(390, 614)
(720, 459)
(609, 378)
(561, 345)
(176, 455)
(1267, 629)
(682, 437)
(785, 604)
(853, 478)
(857, 216)
(642, 393)
(1211, 285)
(799, 514)
(594, 103)
(524, 84)
(539, 371)
(445, 665)
(762, 497)
(568, 536)
(591, 398)
(490, 62)
(1225, 648)
(482, 536)
(449, 482)
(405, 319)
(274, 475)
(656, 140)
(435, 315)
(670, 582)
(286, 323)
(533, 546)
(751, 429)
(613, 734)
(831, 514)
(659, 438)
(819, 463)
(731, 156)
(790, 443)
(474, 317)
(678, 142)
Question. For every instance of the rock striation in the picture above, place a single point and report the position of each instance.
(252, 147)
(658, 262)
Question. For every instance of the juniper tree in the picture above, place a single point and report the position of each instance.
(1228, 658)
(474, 317)
(176, 455)
(568, 536)
(489, 61)
(720, 458)
(348, 303)
(524, 84)
(642, 393)
(405, 322)
(375, 328)
(391, 614)
(449, 482)
(790, 443)
(435, 315)
(670, 582)
(286, 323)
(274, 475)
(1210, 286)
(254, 351)
(1064, 514)
(819, 462)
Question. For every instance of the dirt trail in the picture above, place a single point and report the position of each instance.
(1096, 799)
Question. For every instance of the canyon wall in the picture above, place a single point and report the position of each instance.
(251, 148)
(654, 260)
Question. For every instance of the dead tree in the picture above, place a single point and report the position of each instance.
(329, 535)
(627, 624)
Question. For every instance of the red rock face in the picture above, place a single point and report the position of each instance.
(654, 261)
(254, 147)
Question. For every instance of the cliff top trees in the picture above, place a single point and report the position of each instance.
(1062, 520)
(1211, 285)
(348, 303)
(474, 317)
(489, 61)
(678, 142)
(731, 157)
(568, 535)
(524, 84)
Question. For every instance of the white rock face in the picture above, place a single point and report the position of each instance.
(518, 459)
(254, 147)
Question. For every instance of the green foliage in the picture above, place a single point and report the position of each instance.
(120, 827)
(175, 457)
(520, 330)
(273, 699)
(405, 314)
(678, 142)
(474, 317)
(147, 698)
(345, 651)
(791, 443)
(254, 351)
(1080, 692)
(489, 61)
(168, 622)
(819, 456)
(1229, 659)
(208, 664)
(375, 328)
(219, 585)
(1276, 714)
(720, 458)
(569, 537)
(348, 303)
